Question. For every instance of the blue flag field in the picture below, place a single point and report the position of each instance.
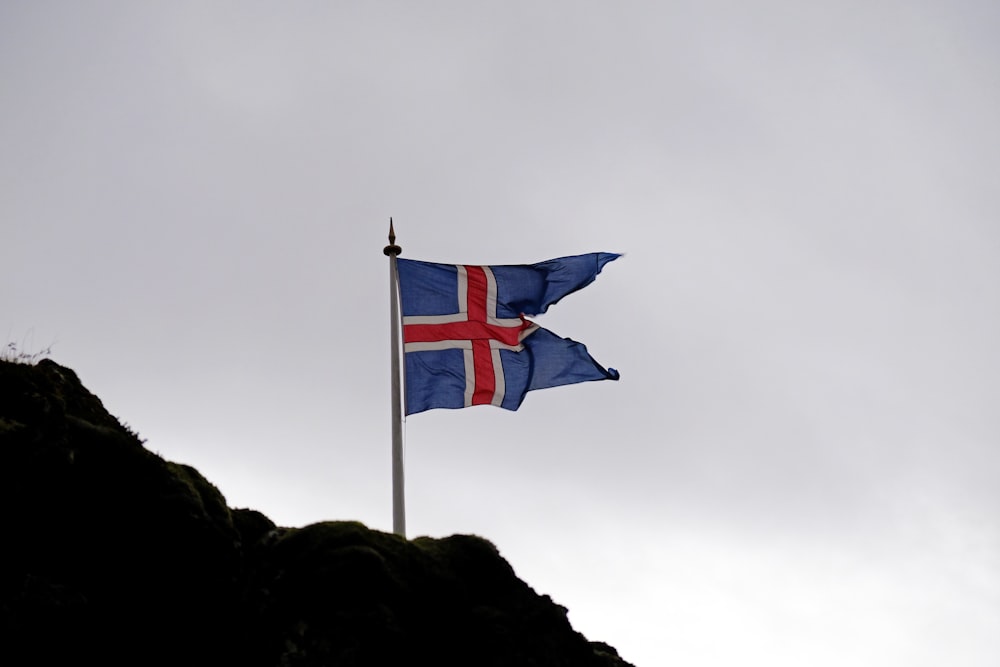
(466, 338)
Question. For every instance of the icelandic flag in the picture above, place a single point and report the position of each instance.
(467, 341)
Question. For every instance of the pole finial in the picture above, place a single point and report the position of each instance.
(392, 249)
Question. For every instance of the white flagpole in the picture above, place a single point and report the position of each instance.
(398, 504)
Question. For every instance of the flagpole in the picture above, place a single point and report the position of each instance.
(398, 505)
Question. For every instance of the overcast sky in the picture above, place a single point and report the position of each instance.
(800, 463)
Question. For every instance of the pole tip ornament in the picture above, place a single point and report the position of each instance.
(392, 249)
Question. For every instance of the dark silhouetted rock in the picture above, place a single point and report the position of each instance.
(114, 556)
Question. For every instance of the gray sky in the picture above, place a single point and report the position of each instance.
(799, 465)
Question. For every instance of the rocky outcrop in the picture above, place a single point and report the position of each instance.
(118, 557)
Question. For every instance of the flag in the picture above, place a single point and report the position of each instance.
(466, 338)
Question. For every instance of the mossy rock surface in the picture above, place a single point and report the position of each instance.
(117, 557)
